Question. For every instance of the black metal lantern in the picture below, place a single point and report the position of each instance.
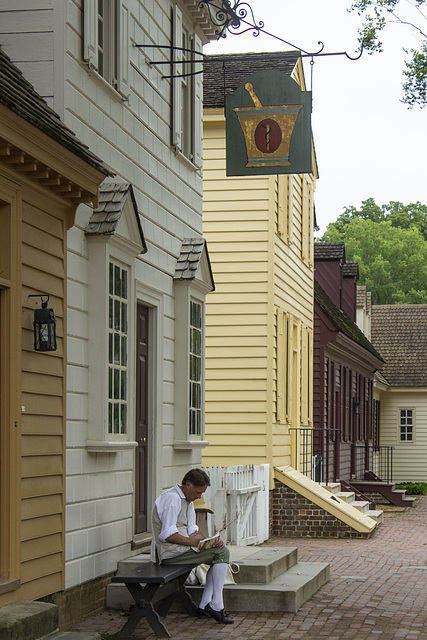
(356, 405)
(44, 327)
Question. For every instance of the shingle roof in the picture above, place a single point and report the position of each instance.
(342, 321)
(329, 250)
(350, 269)
(19, 96)
(399, 332)
(223, 74)
(106, 217)
(189, 259)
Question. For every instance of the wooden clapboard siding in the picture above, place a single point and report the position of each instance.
(43, 399)
(256, 272)
(236, 227)
(409, 458)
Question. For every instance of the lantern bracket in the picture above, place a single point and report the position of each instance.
(41, 296)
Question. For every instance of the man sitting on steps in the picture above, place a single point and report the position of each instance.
(175, 532)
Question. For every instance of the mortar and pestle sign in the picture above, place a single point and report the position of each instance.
(267, 131)
(268, 126)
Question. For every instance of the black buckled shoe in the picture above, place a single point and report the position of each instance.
(219, 616)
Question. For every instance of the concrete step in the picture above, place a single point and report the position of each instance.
(270, 579)
(361, 505)
(376, 514)
(35, 621)
(333, 487)
(347, 496)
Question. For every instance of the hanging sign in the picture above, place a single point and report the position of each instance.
(268, 126)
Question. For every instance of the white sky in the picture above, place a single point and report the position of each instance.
(368, 144)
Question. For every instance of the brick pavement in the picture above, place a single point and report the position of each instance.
(378, 589)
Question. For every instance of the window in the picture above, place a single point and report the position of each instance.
(406, 425)
(195, 382)
(106, 41)
(117, 349)
(187, 91)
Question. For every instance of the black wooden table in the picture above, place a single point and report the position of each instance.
(162, 585)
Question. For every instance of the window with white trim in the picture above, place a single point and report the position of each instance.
(187, 118)
(195, 370)
(406, 425)
(117, 349)
(106, 41)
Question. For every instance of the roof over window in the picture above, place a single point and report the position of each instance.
(117, 214)
(194, 263)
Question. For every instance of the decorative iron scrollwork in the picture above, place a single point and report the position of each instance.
(236, 19)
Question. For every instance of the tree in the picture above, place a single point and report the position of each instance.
(379, 13)
(392, 258)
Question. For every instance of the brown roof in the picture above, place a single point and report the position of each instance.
(223, 74)
(342, 321)
(19, 96)
(329, 250)
(399, 332)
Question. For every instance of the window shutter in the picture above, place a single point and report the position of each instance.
(122, 49)
(177, 82)
(90, 33)
(290, 206)
(280, 367)
(282, 197)
(198, 104)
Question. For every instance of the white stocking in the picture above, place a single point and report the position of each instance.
(214, 587)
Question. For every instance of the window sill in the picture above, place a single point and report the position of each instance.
(9, 585)
(190, 444)
(109, 446)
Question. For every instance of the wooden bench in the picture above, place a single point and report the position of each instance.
(163, 584)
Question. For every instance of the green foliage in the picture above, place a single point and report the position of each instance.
(414, 488)
(390, 244)
(377, 14)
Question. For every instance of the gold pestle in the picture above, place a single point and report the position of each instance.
(250, 89)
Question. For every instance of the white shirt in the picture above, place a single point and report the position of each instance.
(168, 507)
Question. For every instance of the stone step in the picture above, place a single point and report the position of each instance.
(376, 514)
(270, 579)
(361, 505)
(30, 620)
(257, 566)
(347, 496)
(333, 487)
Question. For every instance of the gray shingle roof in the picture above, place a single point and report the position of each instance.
(106, 217)
(19, 96)
(350, 269)
(329, 250)
(189, 259)
(342, 321)
(399, 333)
(224, 73)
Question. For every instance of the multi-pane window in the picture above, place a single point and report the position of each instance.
(406, 425)
(117, 349)
(106, 40)
(195, 382)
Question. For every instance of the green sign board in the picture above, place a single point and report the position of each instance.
(268, 126)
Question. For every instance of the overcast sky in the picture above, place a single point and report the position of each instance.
(368, 144)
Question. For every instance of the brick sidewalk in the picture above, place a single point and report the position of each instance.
(378, 589)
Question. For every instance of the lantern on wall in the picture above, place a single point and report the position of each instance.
(44, 326)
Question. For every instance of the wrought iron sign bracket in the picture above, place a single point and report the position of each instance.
(175, 62)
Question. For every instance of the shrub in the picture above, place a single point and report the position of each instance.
(414, 488)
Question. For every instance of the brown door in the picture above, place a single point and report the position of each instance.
(142, 363)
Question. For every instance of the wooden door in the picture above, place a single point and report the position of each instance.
(141, 462)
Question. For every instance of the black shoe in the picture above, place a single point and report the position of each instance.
(201, 613)
(219, 616)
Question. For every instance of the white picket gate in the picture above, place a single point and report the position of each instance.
(239, 498)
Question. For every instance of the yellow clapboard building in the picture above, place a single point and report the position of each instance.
(259, 321)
